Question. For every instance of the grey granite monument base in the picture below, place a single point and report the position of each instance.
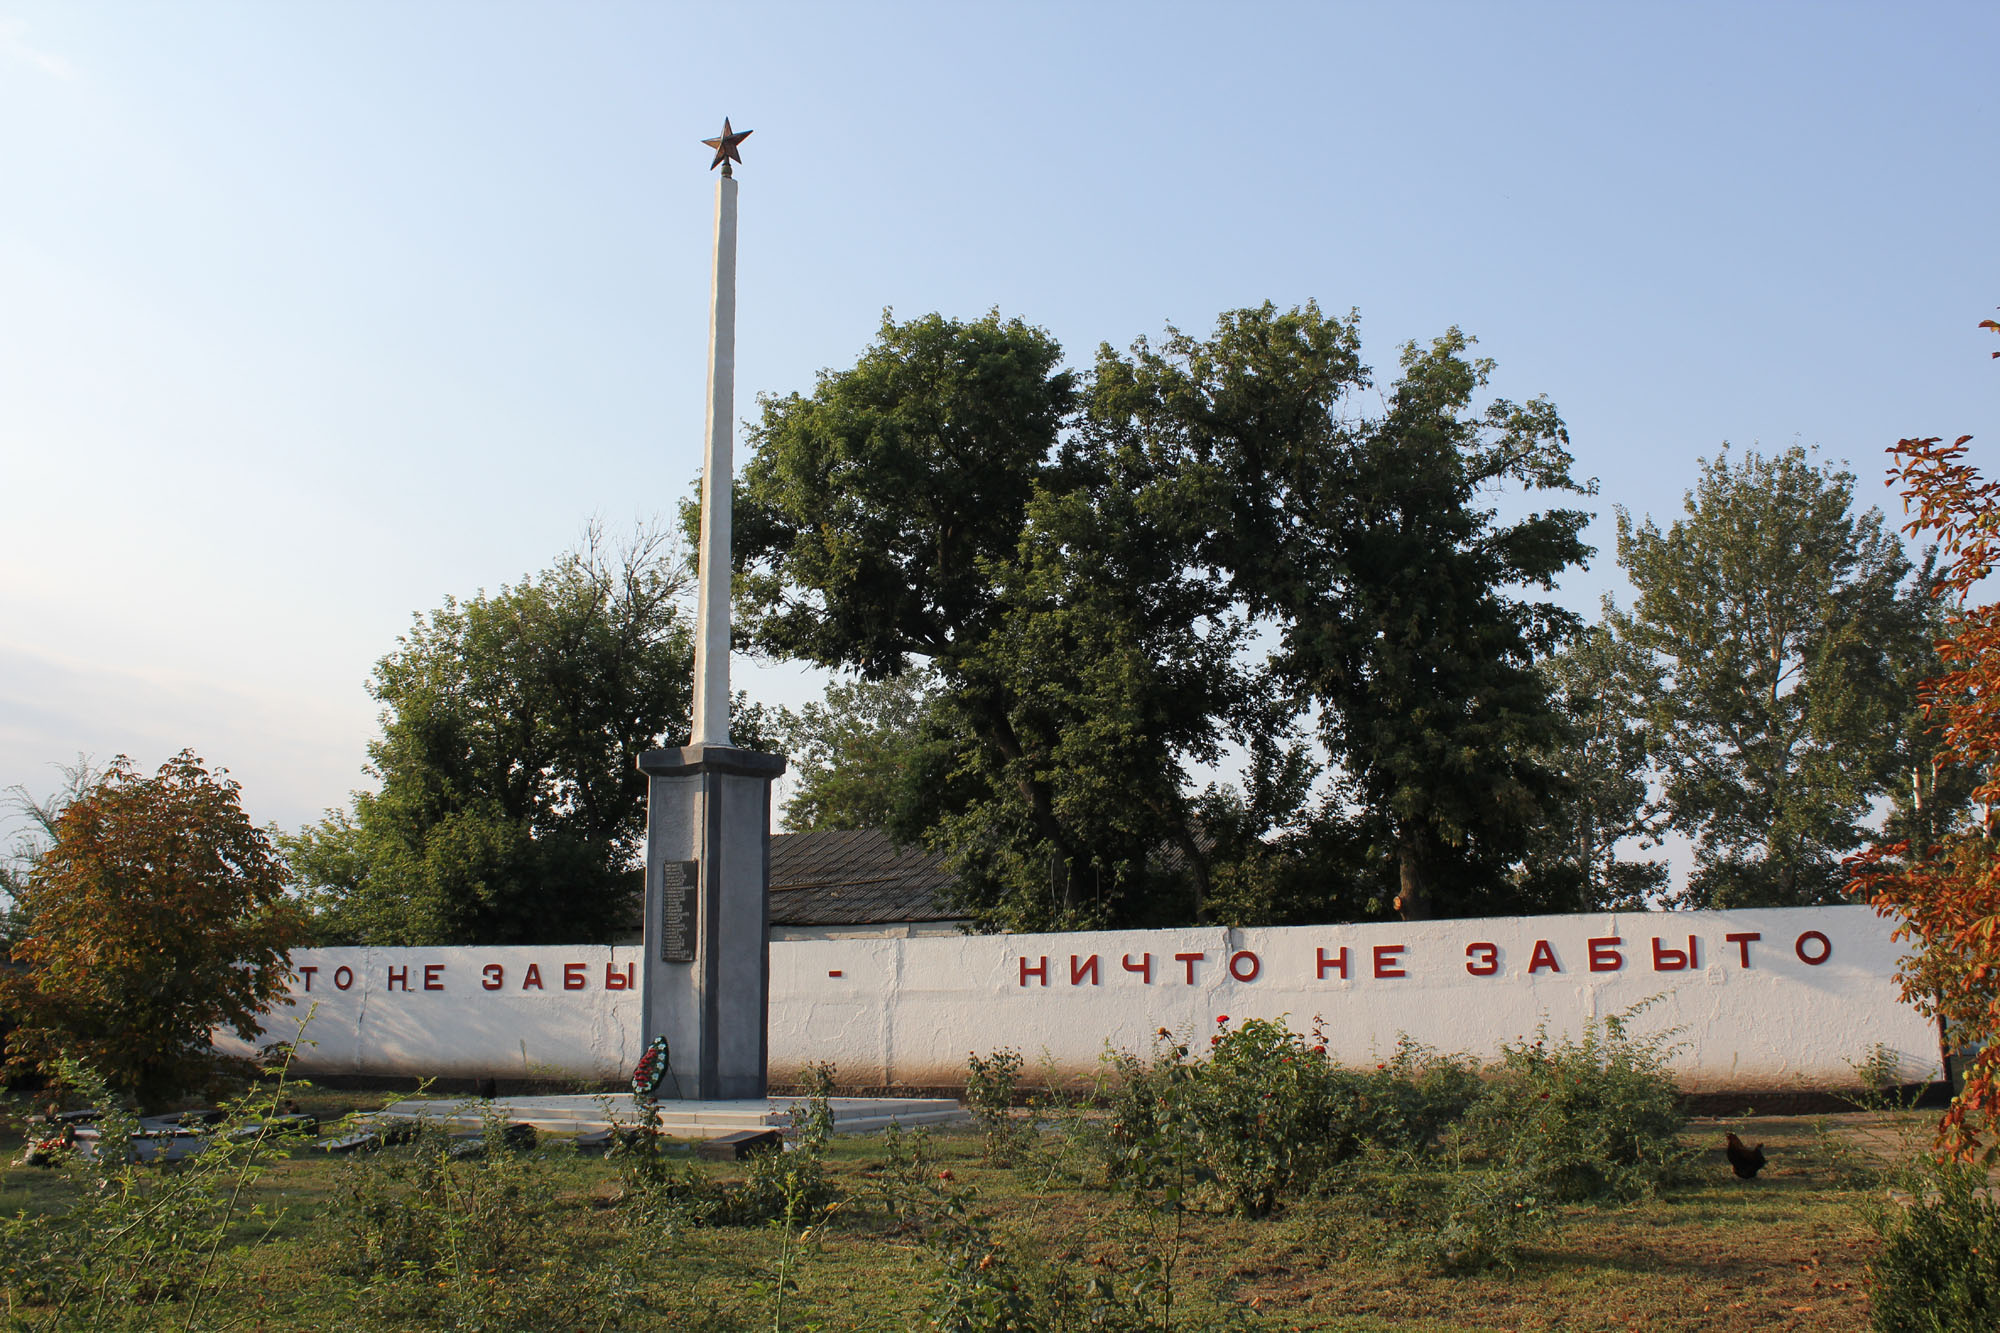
(705, 980)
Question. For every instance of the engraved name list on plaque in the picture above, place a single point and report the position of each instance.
(680, 910)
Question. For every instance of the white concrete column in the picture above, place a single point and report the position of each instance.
(711, 650)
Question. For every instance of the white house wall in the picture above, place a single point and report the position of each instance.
(1792, 1002)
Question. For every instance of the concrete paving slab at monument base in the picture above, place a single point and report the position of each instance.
(681, 1119)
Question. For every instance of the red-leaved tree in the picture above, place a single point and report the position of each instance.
(1948, 892)
(157, 913)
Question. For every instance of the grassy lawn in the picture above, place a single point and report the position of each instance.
(1788, 1250)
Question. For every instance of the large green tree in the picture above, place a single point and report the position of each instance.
(1370, 543)
(871, 512)
(1086, 564)
(1408, 636)
(1116, 661)
(938, 503)
(509, 809)
(1778, 636)
(1204, 452)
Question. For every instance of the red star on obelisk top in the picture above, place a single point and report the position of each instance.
(725, 147)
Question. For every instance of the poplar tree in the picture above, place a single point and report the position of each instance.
(1772, 636)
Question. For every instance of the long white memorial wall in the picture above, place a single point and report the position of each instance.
(1780, 999)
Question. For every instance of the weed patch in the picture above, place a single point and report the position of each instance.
(1583, 1118)
(1939, 1269)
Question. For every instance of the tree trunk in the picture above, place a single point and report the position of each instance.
(1413, 901)
(1041, 813)
(1175, 814)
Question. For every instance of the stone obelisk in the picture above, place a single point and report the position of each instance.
(707, 971)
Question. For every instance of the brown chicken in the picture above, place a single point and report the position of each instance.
(1746, 1162)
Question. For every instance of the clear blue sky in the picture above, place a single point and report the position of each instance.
(313, 314)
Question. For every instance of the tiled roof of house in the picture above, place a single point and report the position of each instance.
(854, 879)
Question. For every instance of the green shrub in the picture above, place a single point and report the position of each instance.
(1880, 1073)
(789, 1188)
(487, 1242)
(1427, 1093)
(422, 1213)
(1267, 1112)
(1939, 1268)
(1440, 1215)
(991, 1084)
(1260, 1113)
(1590, 1117)
(139, 1233)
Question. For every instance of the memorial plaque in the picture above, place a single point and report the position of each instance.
(680, 897)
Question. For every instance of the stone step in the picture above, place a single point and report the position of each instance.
(681, 1119)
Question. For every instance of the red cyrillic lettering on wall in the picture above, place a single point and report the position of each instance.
(343, 977)
(1145, 967)
(1824, 952)
(1244, 965)
(307, 974)
(1079, 970)
(1604, 955)
(1337, 963)
(1386, 962)
(1190, 959)
(433, 976)
(532, 979)
(492, 976)
(1487, 956)
(1670, 960)
(1543, 959)
(399, 977)
(1041, 971)
(1742, 943)
(573, 976)
(616, 980)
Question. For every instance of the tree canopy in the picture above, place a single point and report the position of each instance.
(870, 512)
(509, 809)
(1576, 861)
(1054, 596)
(1945, 888)
(1402, 627)
(1773, 632)
(155, 913)
(873, 755)
(1085, 562)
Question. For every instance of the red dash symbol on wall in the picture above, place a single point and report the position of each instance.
(833, 971)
